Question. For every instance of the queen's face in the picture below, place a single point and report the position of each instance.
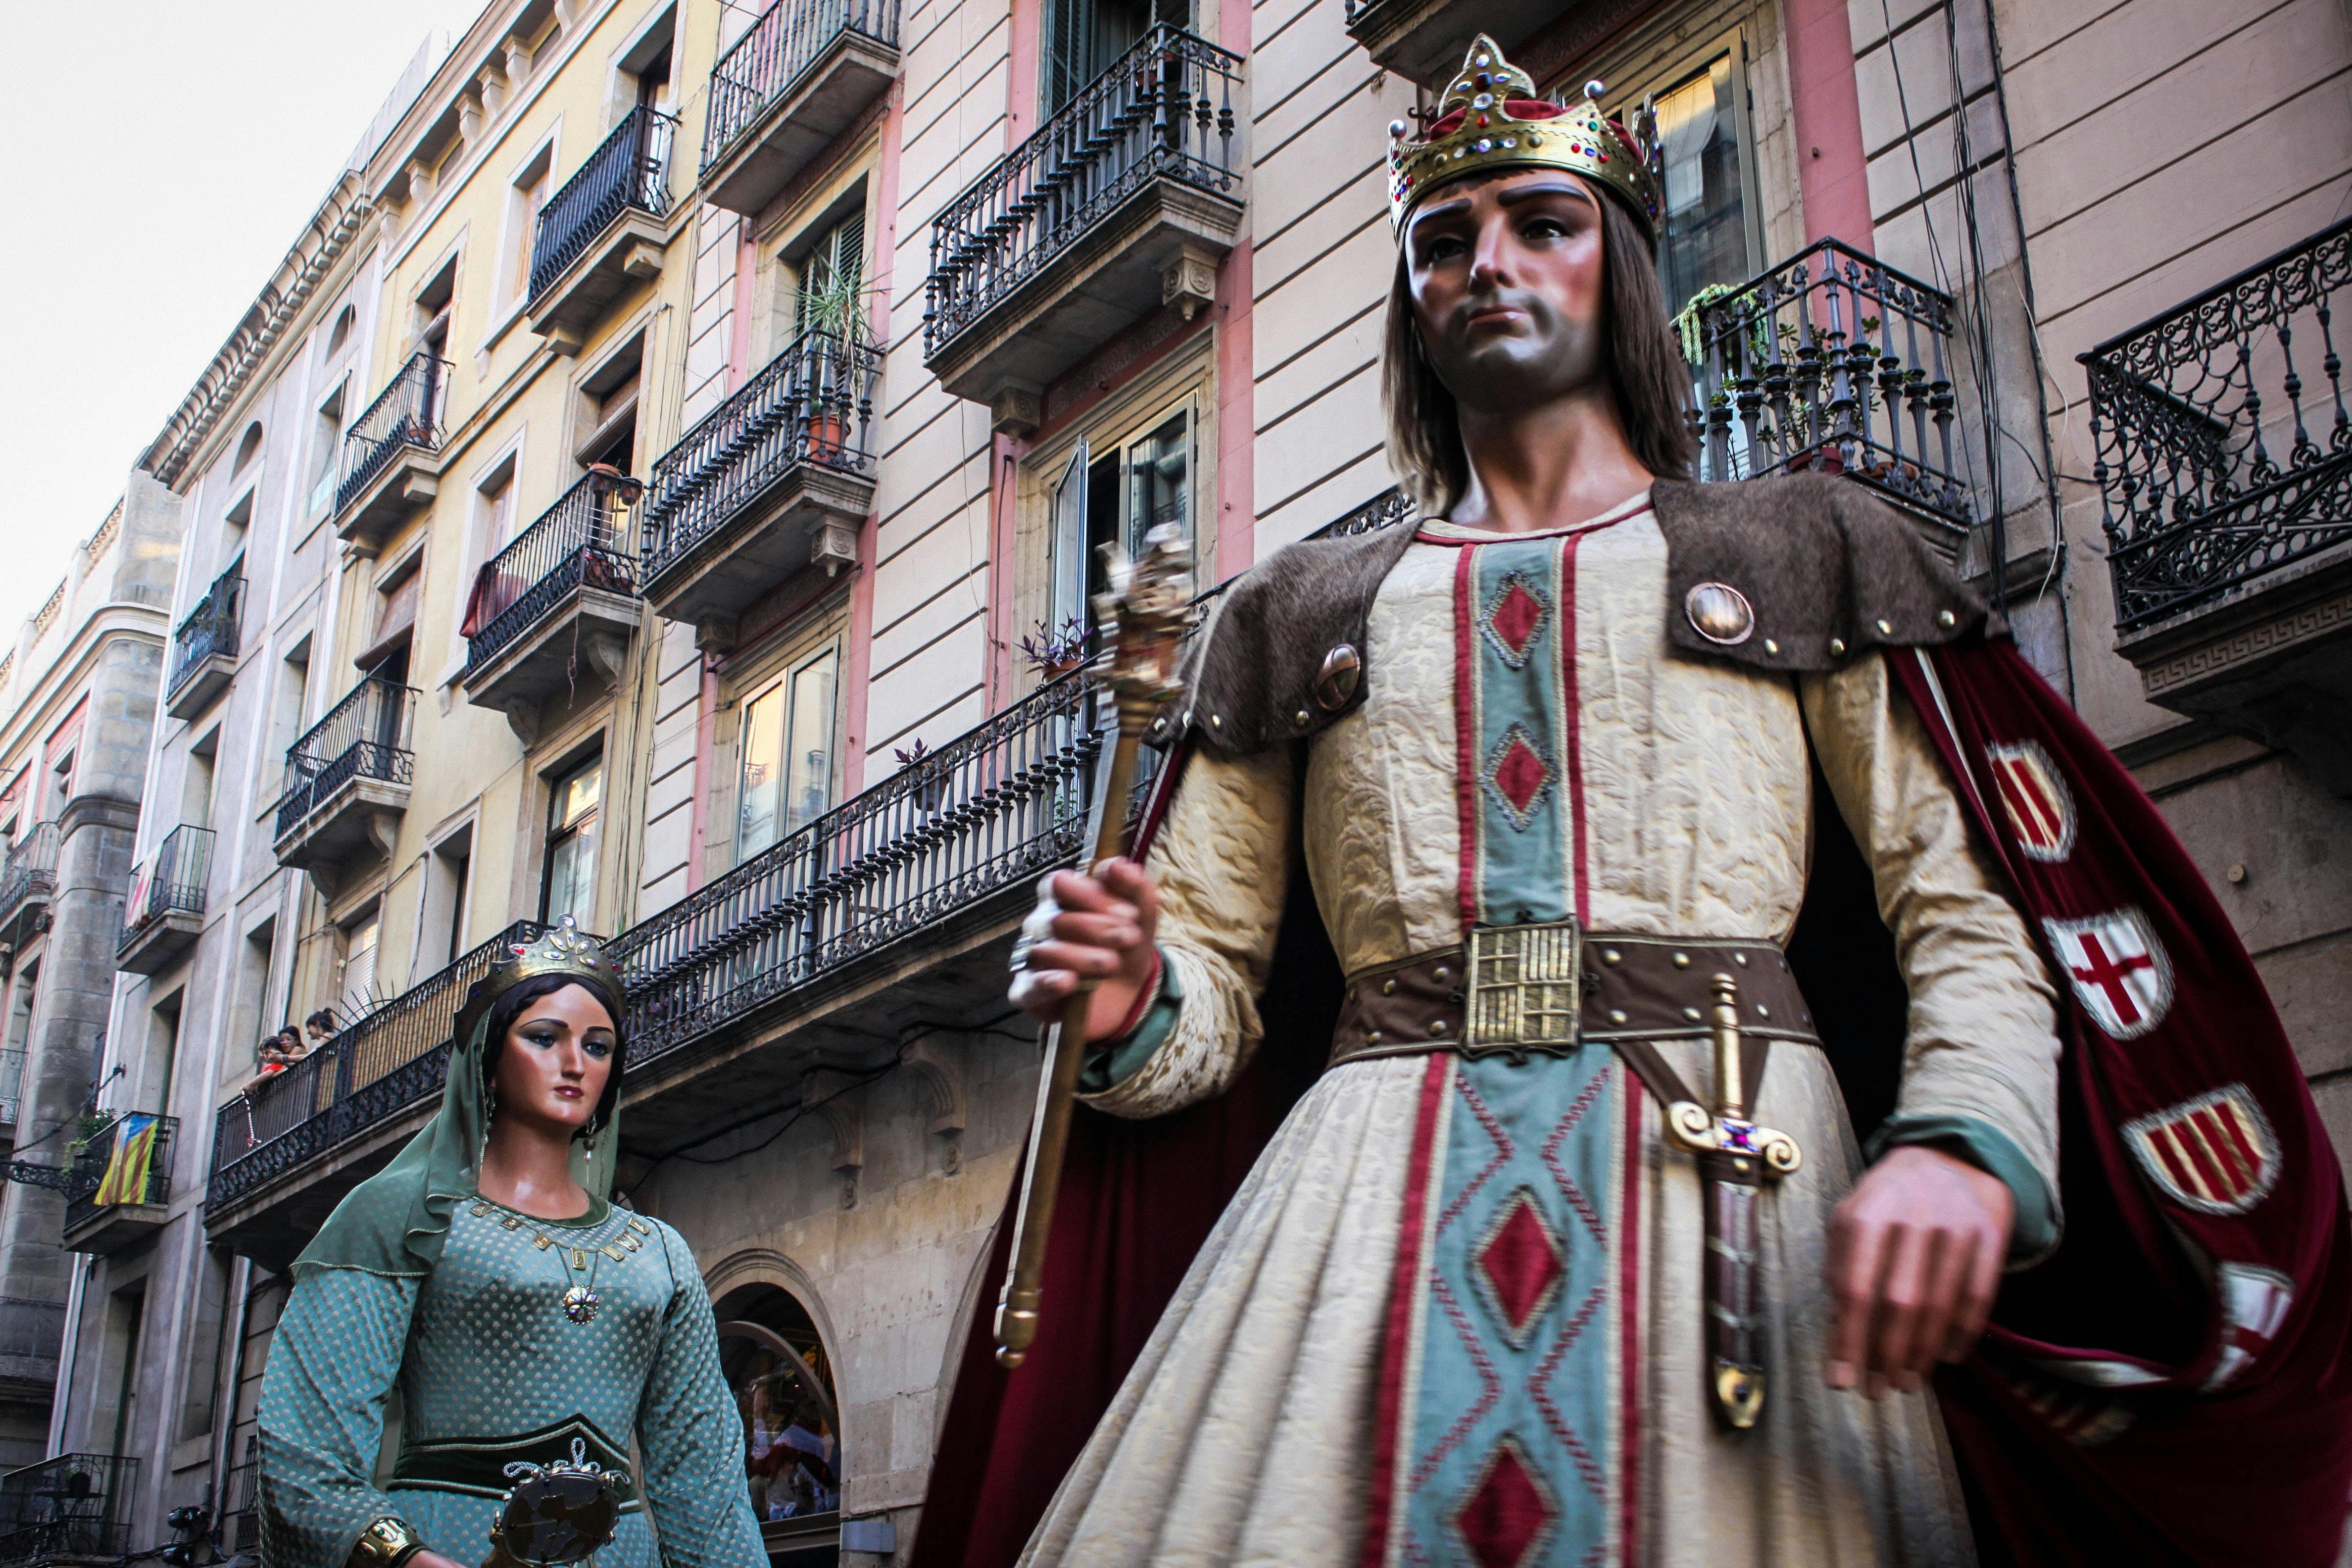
(1506, 281)
(556, 1059)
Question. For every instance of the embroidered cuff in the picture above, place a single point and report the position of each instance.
(386, 1544)
(2033, 1235)
(1149, 1024)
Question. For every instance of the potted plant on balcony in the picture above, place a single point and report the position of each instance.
(1053, 653)
(833, 306)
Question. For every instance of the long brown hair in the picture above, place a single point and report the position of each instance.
(1645, 368)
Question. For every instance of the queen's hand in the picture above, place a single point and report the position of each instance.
(1097, 926)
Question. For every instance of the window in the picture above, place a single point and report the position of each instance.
(785, 748)
(831, 276)
(1082, 37)
(570, 885)
(774, 1360)
(326, 449)
(356, 975)
(248, 448)
(1122, 496)
(1710, 235)
(339, 338)
(529, 196)
(605, 424)
(387, 653)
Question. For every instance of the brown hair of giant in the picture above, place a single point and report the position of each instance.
(1645, 369)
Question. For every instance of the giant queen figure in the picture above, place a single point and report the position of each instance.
(1539, 897)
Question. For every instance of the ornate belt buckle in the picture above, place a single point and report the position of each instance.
(1526, 985)
(558, 1513)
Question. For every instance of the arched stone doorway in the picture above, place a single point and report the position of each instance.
(776, 1363)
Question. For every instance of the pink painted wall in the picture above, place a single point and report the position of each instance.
(1832, 176)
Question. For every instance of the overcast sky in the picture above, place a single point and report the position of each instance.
(164, 165)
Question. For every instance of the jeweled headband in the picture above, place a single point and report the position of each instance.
(1491, 119)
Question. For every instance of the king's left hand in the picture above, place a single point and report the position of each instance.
(1915, 1259)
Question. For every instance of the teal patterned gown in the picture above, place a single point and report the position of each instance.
(482, 1354)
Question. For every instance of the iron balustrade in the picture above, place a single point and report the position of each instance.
(1833, 361)
(581, 541)
(365, 735)
(407, 412)
(2208, 481)
(383, 1062)
(174, 883)
(31, 1331)
(31, 870)
(769, 60)
(989, 810)
(211, 628)
(87, 1172)
(1153, 114)
(76, 1506)
(812, 404)
(241, 1526)
(631, 169)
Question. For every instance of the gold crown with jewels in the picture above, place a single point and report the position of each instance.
(1492, 119)
(562, 949)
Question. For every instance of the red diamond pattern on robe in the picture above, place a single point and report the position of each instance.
(1509, 1513)
(1514, 614)
(1518, 775)
(1521, 1261)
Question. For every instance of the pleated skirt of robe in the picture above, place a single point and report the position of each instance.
(1379, 1357)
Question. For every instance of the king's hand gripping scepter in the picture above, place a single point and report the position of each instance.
(1144, 616)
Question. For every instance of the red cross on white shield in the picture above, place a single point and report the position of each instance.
(2118, 969)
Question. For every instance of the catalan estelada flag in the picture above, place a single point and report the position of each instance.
(126, 1171)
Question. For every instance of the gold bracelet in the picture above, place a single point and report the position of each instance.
(386, 1543)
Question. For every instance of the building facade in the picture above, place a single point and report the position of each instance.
(678, 452)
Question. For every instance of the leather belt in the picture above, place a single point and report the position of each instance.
(1618, 987)
(478, 1465)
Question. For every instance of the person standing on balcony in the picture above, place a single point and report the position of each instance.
(1651, 825)
(524, 1318)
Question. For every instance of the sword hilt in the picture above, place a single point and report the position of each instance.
(1755, 1152)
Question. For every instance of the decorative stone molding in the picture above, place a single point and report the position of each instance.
(470, 116)
(823, 1090)
(1190, 280)
(490, 85)
(2196, 665)
(714, 634)
(1015, 411)
(940, 1070)
(518, 52)
(608, 654)
(835, 547)
(523, 718)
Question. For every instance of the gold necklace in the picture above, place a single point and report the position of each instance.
(578, 1301)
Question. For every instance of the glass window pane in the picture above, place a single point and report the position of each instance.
(759, 793)
(1706, 239)
(808, 763)
(572, 876)
(1160, 477)
(577, 795)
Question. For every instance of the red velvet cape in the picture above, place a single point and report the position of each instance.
(2059, 1471)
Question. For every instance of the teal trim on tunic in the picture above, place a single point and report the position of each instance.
(480, 1349)
(2033, 1233)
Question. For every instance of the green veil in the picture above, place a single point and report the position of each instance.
(395, 1222)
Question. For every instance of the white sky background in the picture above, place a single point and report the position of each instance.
(163, 162)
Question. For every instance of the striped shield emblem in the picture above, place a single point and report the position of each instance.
(2215, 1154)
(2039, 808)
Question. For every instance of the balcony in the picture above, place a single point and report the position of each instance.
(602, 234)
(347, 780)
(1426, 40)
(119, 1184)
(72, 1508)
(1835, 362)
(28, 878)
(797, 79)
(776, 478)
(166, 908)
(285, 1151)
(203, 650)
(392, 454)
(560, 600)
(1125, 200)
(2225, 468)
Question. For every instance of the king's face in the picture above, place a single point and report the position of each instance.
(1507, 287)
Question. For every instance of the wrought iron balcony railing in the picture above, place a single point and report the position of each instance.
(386, 1060)
(768, 61)
(366, 735)
(988, 810)
(1831, 362)
(631, 169)
(31, 869)
(175, 882)
(581, 541)
(405, 413)
(2221, 454)
(1164, 110)
(85, 1181)
(210, 629)
(75, 1507)
(812, 404)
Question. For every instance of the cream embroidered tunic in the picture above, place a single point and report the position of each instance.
(1245, 1431)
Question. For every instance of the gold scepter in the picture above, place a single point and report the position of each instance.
(1144, 616)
